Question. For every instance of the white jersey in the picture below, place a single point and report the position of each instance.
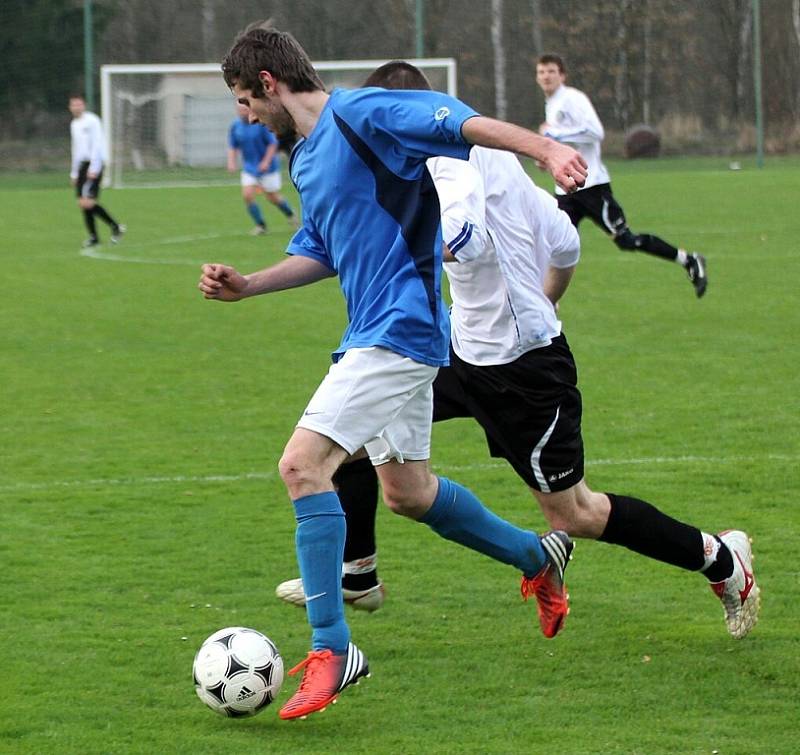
(88, 143)
(571, 119)
(516, 231)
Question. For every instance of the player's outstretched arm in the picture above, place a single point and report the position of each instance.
(225, 283)
(564, 163)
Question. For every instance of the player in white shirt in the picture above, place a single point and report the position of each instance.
(571, 119)
(86, 171)
(510, 256)
(371, 217)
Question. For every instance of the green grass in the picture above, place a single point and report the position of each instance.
(140, 508)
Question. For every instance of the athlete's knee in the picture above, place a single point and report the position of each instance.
(627, 241)
(401, 500)
(579, 511)
(561, 513)
(411, 497)
(301, 474)
(292, 467)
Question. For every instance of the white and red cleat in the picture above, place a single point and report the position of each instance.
(739, 593)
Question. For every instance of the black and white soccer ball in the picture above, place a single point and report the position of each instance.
(237, 671)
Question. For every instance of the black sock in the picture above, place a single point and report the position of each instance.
(722, 568)
(642, 528)
(357, 486)
(105, 217)
(88, 218)
(646, 242)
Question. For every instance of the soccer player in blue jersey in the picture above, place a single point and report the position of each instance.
(261, 167)
(371, 216)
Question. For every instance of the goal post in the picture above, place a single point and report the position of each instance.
(167, 124)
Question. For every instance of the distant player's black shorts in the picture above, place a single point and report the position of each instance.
(86, 187)
(529, 409)
(596, 203)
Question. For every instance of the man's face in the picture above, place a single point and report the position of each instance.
(549, 78)
(267, 110)
(76, 106)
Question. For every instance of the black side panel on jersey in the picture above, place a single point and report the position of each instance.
(413, 204)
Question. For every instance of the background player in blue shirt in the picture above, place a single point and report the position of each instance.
(261, 167)
(372, 216)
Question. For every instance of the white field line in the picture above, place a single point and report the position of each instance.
(21, 487)
(98, 252)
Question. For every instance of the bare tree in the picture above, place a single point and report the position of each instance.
(647, 67)
(796, 26)
(536, 28)
(499, 51)
(621, 99)
(745, 37)
(209, 18)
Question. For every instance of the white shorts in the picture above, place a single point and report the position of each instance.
(268, 182)
(378, 399)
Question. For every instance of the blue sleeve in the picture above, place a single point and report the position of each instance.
(232, 141)
(418, 124)
(307, 243)
(271, 138)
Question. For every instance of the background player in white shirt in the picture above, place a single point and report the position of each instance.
(86, 172)
(512, 370)
(571, 119)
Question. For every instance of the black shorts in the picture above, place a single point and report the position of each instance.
(596, 203)
(86, 187)
(529, 409)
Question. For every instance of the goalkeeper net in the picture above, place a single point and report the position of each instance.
(167, 125)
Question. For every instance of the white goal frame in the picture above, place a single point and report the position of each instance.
(107, 71)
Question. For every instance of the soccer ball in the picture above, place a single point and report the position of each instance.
(237, 672)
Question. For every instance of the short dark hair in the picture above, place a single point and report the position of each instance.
(260, 47)
(397, 74)
(77, 96)
(551, 57)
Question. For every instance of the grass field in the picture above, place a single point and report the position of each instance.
(140, 508)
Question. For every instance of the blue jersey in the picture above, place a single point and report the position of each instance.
(371, 213)
(252, 140)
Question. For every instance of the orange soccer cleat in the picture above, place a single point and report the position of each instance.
(552, 601)
(325, 675)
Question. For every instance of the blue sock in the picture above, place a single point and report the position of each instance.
(456, 514)
(320, 549)
(284, 207)
(255, 213)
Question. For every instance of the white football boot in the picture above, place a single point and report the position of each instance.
(364, 600)
(739, 593)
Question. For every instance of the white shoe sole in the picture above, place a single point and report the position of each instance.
(370, 600)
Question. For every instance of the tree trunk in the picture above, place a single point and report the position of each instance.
(500, 102)
(208, 25)
(621, 78)
(647, 66)
(536, 28)
(743, 59)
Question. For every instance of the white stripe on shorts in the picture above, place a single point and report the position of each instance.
(536, 455)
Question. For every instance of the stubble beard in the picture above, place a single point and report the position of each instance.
(281, 123)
